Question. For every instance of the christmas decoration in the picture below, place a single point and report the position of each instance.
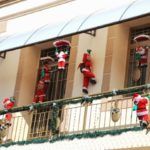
(5, 120)
(85, 135)
(40, 92)
(62, 50)
(141, 51)
(8, 103)
(57, 104)
(85, 68)
(115, 112)
(79, 99)
(136, 74)
(45, 69)
(141, 37)
(141, 55)
(141, 109)
(53, 122)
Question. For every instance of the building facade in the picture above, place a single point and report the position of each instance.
(113, 65)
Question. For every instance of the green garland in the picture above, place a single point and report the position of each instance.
(79, 99)
(93, 134)
(72, 137)
(53, 121)
(57, 104)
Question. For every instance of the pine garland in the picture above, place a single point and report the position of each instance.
(53, 121)
(93, 134)
(79, 99)
(74, 136)
(57, 104)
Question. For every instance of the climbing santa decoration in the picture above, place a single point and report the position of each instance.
(141, 56)
(62, 51)
(8, 103)
(141, 110)
(85, 68)
(40, 92)
(43, 83)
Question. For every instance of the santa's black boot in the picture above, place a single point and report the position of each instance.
(93, 80)
(144, 124)
(84, 90)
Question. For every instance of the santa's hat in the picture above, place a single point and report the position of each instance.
(87, 55)
(60, 43)
(8, 100)
(136, 97)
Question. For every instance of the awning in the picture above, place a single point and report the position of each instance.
(80, 24)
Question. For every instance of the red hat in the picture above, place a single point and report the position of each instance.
(8, 103)
(60, 43)
(86, 57)
(141, 37)
(136, 97)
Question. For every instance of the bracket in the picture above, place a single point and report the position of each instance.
(3, 55)
(91, 32)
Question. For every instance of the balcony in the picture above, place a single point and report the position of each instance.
(78, 117)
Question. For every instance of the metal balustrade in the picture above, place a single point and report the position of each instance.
(72, 119)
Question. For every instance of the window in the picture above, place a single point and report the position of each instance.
(137, 75)
(57, 85)
(56, 90)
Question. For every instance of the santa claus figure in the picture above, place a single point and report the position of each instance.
(141, 111)
(8, 103)
(40, 92)
(62, 50)
(141, 55)
(45, 69)
(85, 68)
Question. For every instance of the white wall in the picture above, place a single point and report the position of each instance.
(8, 73)
(98, 46)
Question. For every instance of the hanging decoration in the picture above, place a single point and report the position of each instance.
(45, 71)
(45, 68)
(141, 56)
(44, 80)
(5, 120)
(85, 68)
(62, 50)
(141, 110)
(40, 92)
(54, 118)
(115, 112)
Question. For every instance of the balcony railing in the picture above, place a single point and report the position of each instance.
(72, 116)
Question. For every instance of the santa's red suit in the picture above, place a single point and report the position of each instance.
(141, 103)
(61, 59)
(40, 92)
(8, 103)
(46, 69)
(88, 75)
(142, 51)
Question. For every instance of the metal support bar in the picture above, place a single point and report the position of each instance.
(3, 55)
(92, 33)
